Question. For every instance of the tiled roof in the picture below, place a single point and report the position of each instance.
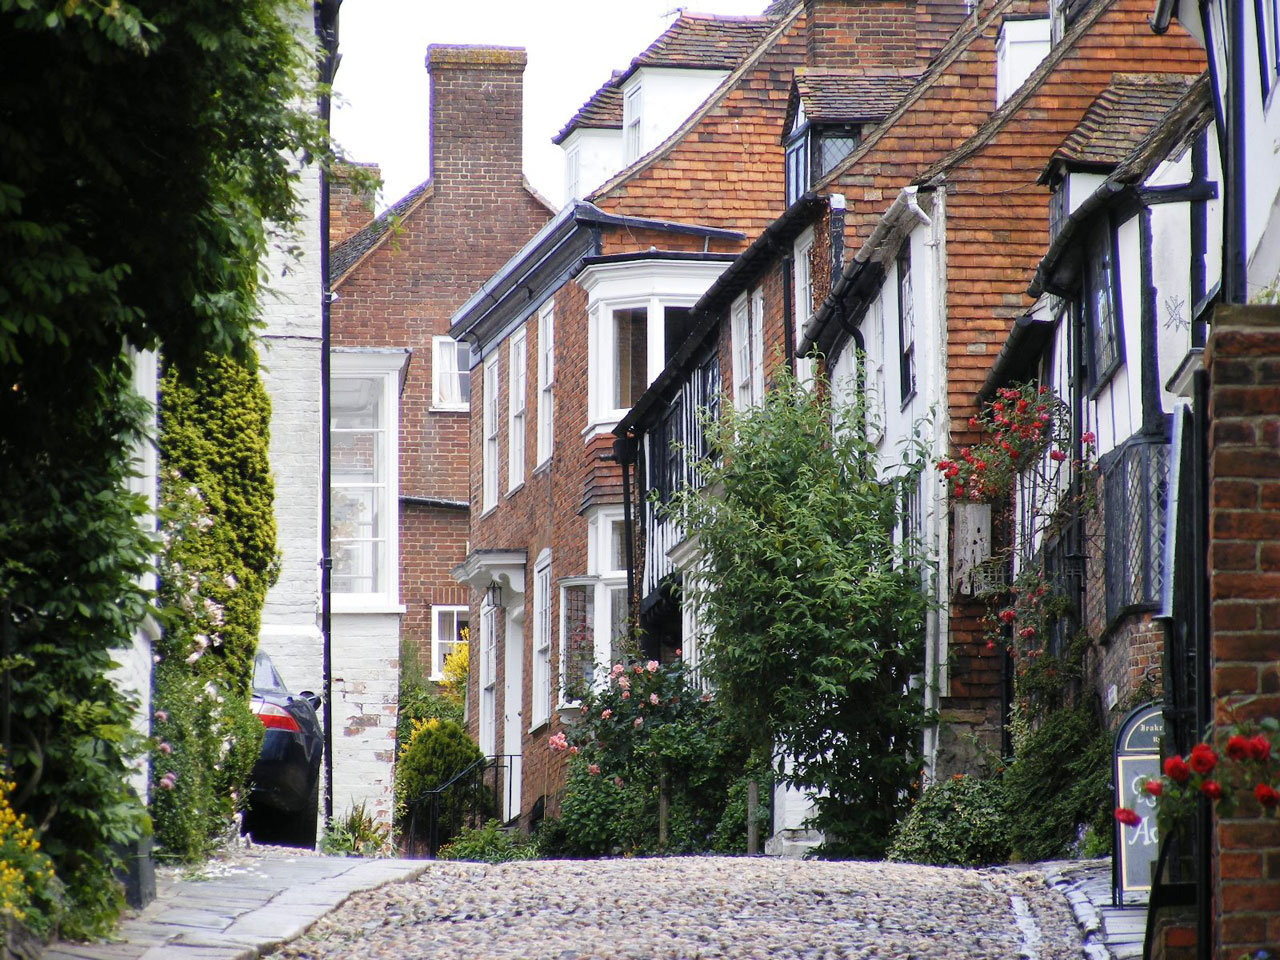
(1121, 117)
(779, 8)
(344, 255)
(839, 96)
(702, 41)
(603, 111)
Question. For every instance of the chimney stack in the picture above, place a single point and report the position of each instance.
(858, 34)
(477, 105)
(349, 209)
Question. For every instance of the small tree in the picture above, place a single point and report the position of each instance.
(815, 612)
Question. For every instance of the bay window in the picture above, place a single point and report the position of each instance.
(594, 618)
(363, 430)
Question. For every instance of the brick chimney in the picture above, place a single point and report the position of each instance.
(477, 105)
(349, 209)
(856, 34)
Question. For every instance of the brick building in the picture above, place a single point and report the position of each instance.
(566, 336)
(400, 393)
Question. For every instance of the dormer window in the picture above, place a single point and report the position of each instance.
(631, 130)
(814, 150)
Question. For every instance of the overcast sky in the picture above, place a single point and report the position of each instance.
(380, 111)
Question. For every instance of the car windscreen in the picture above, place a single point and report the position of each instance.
(265, 678)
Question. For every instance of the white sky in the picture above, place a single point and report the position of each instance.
(380, 110)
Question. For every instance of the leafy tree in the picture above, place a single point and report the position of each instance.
(143, 149)
(815, 613)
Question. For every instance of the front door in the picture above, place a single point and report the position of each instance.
(513, 719)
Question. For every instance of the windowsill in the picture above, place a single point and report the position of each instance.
(487, 510)
(597, 428)
(542, 467)
(516, 489)
(538, 725)
(908, 398)
(441, 409)
(354, 604)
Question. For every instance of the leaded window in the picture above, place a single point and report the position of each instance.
(1136, 485)
(906, 325)
(1100, 307)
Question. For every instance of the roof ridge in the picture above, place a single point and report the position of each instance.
(713, 99)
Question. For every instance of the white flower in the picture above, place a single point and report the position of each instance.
(201, 641)
(230, 581)
(195, 656)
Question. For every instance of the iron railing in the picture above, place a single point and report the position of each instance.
(469, 798)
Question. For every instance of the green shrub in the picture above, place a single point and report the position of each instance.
(420, 698)
(958, 822)
(214, 429)
(437, 751)
(489, 844)
(1058, 782)
(207, 742)
(356, 835)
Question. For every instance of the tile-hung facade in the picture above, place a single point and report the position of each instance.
(567, 336)
(401, 398)
(941, 259)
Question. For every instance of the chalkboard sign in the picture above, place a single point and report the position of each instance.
(1137, 756)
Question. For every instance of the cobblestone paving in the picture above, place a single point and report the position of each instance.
(699, 907)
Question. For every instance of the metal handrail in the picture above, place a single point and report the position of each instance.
(444, 817)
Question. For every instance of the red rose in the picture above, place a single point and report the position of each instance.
(1007, 615)
(1154, 787)
(1211, 789)
(1237, 747)
(1176, 769)
(1127, 817)
(1088, 437)
(1266, 795)
(1057, 456)
(1202, 759)
(1026, 633)
(1259, 747)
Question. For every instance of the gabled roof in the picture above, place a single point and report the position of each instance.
(1168, 137)
(602, 111)
(702, 41)
(346, 254)
(1121, 117)
(846, 96)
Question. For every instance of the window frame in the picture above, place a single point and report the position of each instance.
(802, 285)
(384, 368)
(437, 609)
(489, 436)
(487, 680)
(517, 407)
(540, 692)
(1099, 374)
(906, 323)
(440, 369)
(546, 384)
(632, 128)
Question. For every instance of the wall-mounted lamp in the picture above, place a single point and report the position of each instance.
(494, 593)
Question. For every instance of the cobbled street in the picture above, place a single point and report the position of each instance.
(699, 907)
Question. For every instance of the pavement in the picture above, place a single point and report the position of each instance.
(253, 902)
(239, 907)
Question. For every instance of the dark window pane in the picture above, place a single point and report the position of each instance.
(631, 340)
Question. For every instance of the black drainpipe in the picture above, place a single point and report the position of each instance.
(1233, 263)
(326, 17)
(788, 312)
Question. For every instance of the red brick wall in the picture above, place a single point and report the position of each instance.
(845, 34)
(1243, 359)
(403, 292)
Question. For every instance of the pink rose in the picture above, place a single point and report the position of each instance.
(638, 722)
(161, 716)
(165, 748)
(652, 666)
(679, 652)
(653, 698)
(606, 713)
(573, 751)
(626, 694)
(617, 669)
(617, 782)
(593, 769)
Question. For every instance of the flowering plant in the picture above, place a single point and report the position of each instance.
(1020, 424)
(1242, 772)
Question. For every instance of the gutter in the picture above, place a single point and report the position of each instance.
(438, 502)
(1044, 280)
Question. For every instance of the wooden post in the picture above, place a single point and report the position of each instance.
(663, 804)
(753, 824)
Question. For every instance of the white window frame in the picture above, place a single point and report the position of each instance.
(489, 437)
(803, 306)
(632, 131)
(546, 382)
(385, 368)
(487, 682)
(572, 174)
(607, 584)
(746, 321)
(517, 407)
(446, 363)
(652, 285)
(540, 683)
(439, 640)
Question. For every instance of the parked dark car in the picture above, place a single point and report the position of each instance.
(285, 791)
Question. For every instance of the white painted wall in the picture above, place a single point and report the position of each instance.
(1021, 46)
(366, 672)
(599, 158)
(667, 97)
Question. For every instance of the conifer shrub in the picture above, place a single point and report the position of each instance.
(436, 752)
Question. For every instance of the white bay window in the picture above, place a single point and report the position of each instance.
(594, 617)
(364, 491)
